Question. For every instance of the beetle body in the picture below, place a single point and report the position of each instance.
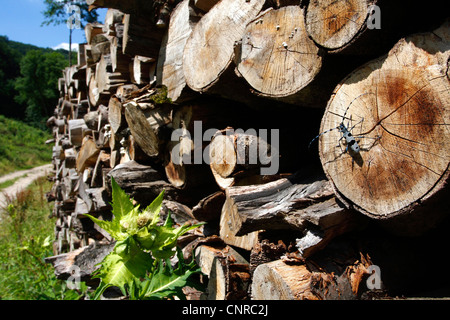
(352, 145)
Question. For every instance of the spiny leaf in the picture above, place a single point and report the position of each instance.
(112, 227)
(155, 207)
(161, 240)
(121, 202)
(166, 282)
(126, 264)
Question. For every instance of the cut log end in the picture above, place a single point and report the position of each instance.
(277, 58)
(334, 24)
(209, 49)
(399, 116)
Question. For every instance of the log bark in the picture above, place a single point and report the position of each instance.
(141, 182)
(287, 204)
(276, 56)
(140, 36)
(96, 199)
(84, 260)
(209, 208)
(398, 108)
(91, 120)
(335, 24)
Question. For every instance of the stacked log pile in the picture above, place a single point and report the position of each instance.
(215, 83)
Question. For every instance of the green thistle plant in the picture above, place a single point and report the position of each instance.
(139, 264)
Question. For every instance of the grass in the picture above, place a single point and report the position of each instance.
(9, 183)
(22, 146)
(26, 237)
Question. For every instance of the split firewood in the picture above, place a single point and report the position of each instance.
(337, 274)
(91, 30)
(227, 271)
(87, 156)
(209, 208)
(142, 70)
(66, 108)
(140, 182)
(266, 251)
(75, 129)
(103, 160)
(135, 151)
(286, 204)
(130, 6)
(112, 17)
(96, 97)
(99, 46)
(184, 163)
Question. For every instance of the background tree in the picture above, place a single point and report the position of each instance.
(37, 86)
(63, 12)
(9, 71)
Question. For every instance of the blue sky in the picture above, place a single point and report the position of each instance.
(20, 20)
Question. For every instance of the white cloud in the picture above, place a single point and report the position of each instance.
(65, 46)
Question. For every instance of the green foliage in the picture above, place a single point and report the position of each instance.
(22, 146)
(37, 86)
(165, 282)
(143, 250)
(26, 234)
(14, 84)
(160, 97)
(9, 71)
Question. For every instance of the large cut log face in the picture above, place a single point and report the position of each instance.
(210, 48)
(332, 24)
(401, 125)
(277, 56)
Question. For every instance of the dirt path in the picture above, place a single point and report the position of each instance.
(28, 176)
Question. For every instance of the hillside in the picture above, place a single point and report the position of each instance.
(23, 48)
(12, 54)
(22, 146)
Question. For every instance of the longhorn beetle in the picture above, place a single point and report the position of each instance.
(352, 145)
